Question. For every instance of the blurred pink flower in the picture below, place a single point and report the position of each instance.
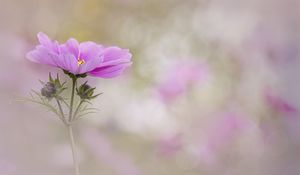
(81, 58)
(181, 76)
(278, 104)
(169, 145)
(289, 119)
(103, 152)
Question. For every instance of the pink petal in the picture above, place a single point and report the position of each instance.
(109, 71)
(113, 53)
(47, 43)
(43, 56)
(90, 65)
(71, 46)
(68, 62)
(90, 50)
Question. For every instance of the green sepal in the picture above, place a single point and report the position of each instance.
(73, 76)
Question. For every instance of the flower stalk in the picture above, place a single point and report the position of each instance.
(74, 80)
(70, 130)
(73, 148)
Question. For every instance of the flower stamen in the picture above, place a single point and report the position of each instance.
(80, 62)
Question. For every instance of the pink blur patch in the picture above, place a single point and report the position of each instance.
(105, 153)
(278, 104)
(169, 145)
(180, 77)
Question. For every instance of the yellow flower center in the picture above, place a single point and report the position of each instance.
(80, 62)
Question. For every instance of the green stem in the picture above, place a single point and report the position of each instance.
(72, 99)
(72, 143)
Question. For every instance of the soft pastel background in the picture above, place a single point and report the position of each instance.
(214, 88)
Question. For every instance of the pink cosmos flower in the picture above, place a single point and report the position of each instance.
(81, 58)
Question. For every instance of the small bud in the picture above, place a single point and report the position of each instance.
(86, 92)
(85, 87)
(53, 88)
(48, 90)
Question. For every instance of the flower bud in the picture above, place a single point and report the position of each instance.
(86, 92)
(53, 88)
(48, 90)
(85, 87)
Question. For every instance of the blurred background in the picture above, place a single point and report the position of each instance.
(213, 88)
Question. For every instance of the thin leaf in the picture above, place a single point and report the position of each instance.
(84, 114)
(43, 83)
(50, 77)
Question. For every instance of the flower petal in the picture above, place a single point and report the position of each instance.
(115, 60)
(90, 65)
(110, 71)
(47, 42)
(43, 56)
(114, 53)
(90, 50)
(71, 46)
(68, 62)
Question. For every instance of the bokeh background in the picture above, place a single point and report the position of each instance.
(213, 89)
